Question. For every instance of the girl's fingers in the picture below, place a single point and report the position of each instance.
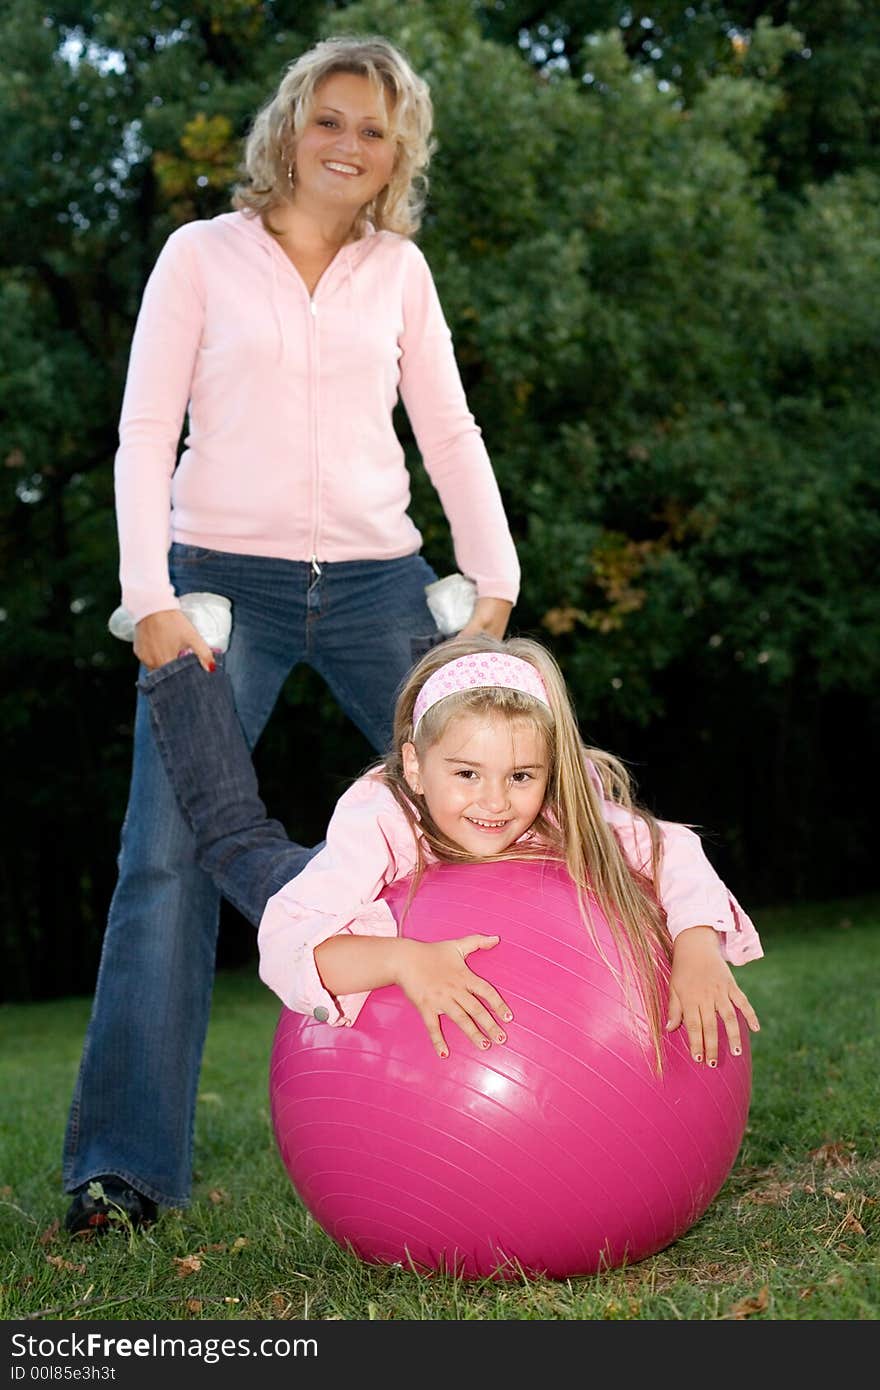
(438, 1042)
(489, 995)
(466, 944)
(710, 1036)
(674, 1015)
(483, 1019)
(459, 1016)
(694, 1027)
(731, 1027)
(748, 1013)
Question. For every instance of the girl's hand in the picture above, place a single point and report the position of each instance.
(702, 986)
(161, 637)
(489, 615)
(434, 978)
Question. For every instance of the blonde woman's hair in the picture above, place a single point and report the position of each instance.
(570, 827)
(271, 145)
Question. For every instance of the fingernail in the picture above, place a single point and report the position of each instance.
(501, 1037)
(508, 1017)
(212, 666)
(697, 1056)
(444, 1054)
(713, 1063)
(668, 1024)
(737, 1052)
(484, 1043)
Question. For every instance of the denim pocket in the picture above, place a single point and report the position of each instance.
(190, 554)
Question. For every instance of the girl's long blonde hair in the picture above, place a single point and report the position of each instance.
(271, 145)
(570, 828)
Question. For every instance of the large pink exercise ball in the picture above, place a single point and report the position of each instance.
(560, 1152)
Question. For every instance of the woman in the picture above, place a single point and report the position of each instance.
(287, 329)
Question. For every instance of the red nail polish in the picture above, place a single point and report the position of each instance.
(213, 666)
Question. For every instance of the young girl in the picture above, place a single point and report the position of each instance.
(486, 763)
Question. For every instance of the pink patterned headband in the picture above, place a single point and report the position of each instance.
(475, 671)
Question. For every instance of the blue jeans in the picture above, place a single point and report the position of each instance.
(198, 733)
(359, 624)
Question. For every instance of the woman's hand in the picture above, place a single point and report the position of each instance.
(702, 986)
(435, 979)
(161, 637)
(489, 615)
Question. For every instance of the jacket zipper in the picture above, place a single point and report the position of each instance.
(316, 467)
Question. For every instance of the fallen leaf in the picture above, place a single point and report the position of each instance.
(280, 1304)
(747, 1307)
(851, 1223)
(772, 1194)
(5, 1192)
(50, 1232)
(240, 1242)
(836, 1155)
(58, 1262)
(193, 1305)
(217, 1195)
(186, 1265)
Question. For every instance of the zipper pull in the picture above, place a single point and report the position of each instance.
(314, 308)
(316, 569)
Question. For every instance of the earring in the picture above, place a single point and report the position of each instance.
(291, 173)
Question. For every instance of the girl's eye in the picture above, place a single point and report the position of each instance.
(521, 777)
(375, 134)
(326, 120)
(467, 773)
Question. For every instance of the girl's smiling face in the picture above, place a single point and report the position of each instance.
(484, 781)
(345, 154)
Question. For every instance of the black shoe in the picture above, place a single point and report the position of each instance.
(95, 1215)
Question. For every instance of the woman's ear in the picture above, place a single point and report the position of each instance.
(410, 761)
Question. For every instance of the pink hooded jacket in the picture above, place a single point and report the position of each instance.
(291, 450)
(370, 845)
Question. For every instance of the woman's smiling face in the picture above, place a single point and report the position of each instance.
(484, 781)
(345, 155)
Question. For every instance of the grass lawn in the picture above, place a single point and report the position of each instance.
(792, 1235)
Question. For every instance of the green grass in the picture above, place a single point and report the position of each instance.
(792, 1235)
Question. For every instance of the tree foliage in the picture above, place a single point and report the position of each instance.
(655, 234)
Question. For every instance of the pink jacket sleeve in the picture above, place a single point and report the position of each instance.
(157, 389)
(690, 891)
(450, 441)
(369, 845)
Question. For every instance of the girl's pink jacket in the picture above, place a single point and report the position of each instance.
(370, 845)
(291, 451)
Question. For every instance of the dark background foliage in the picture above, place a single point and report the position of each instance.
(655, 231)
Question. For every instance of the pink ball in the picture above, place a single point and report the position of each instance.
(560, 1152)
